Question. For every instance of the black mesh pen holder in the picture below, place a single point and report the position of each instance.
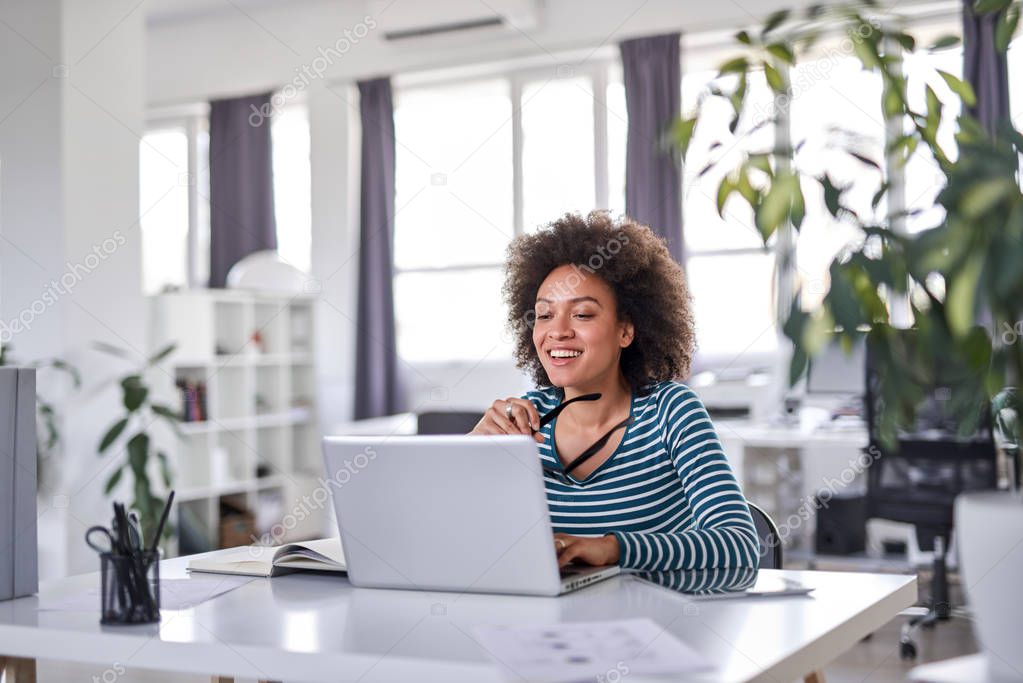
(130, 588)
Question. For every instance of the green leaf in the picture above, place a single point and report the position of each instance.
(944, 42)
(735, 65)
(135, 392)
(746, 189)
(865, 159)
(164, 411)
(832, 195)
(682, 134)
(1005, 29)
(743, 37)
(798, 205)
(114, 479)
(865, 50)
(138, 454)
(725, 189)
(761, 162)
(962, 293)
(775, 206)
(112, 350)
(988, 6)
(981, 197)
(774, 79)
(774, 20)
(959, 87)
(907, 41)
(782, 52)
(162, 353)
(112, 434)
(76, 377)
(876, 199)
(165, 471)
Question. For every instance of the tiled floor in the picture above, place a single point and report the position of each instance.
(876, 659)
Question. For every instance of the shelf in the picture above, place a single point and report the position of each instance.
(260, 400)
(230, 488)
(242, 359)
(295, 416)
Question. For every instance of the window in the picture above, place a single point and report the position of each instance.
(174, 197)
(163, 207)
(923, 178)
(730, 274)
(557, 149)
(458, 202)
(835, 104)
(1015, 60)
(289, 131)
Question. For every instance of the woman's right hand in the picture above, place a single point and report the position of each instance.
(523, 420)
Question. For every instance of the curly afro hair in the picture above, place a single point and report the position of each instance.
(649, 287)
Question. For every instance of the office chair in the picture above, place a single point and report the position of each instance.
(770, 539)
(917, 481)
(447, 422)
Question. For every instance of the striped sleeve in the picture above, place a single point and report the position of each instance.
(721, 532)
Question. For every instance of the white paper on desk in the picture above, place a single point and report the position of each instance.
(576, 651)
(174, 594)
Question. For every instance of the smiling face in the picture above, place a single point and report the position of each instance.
(577, 333)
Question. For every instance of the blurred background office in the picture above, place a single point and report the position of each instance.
(241, 224)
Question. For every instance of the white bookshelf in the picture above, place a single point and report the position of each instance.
(258, 443)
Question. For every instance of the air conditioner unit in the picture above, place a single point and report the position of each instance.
(407, 20)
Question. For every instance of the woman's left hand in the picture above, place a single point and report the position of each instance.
(594, 551)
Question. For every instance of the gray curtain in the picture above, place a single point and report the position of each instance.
(985, 68)
(241, 183)
(653, 188)
(378, 385)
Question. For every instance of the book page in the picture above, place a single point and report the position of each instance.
(324, 553)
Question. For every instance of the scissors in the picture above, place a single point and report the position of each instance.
(99, 546)
(116, 541)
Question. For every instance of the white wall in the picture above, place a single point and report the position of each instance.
(231, 52)
(218, 50)
(72, 76)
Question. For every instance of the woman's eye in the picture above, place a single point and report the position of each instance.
(584, 316)
(543, 316)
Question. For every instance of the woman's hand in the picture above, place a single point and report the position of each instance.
(523, 419)
(594, 551)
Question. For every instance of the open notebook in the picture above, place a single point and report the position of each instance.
(254, 560)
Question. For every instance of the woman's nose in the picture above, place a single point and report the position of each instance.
(560, 329)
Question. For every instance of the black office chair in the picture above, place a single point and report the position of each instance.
(770, 539)
(917, 481)
(447, 422)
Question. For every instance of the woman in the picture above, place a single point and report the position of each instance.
(599, 306)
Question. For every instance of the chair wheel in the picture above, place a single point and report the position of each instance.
(907, 649)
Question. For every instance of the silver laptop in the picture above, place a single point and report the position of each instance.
(448, 513)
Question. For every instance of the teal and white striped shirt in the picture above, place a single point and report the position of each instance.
(667, 491)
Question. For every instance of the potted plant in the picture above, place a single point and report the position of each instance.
(944, 280)
(132, 432)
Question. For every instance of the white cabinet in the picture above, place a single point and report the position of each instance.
(243, 380)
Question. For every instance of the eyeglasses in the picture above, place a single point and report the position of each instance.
(562, 474)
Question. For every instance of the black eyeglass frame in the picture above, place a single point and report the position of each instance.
(562, 474)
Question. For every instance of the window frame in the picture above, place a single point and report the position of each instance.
(517, 79)
(193, 119)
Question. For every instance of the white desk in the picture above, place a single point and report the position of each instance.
(319, 628)
(829, 459)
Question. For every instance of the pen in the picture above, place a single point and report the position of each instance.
(163, 521)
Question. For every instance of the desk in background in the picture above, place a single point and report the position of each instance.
(319, 628)
(782, 468)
